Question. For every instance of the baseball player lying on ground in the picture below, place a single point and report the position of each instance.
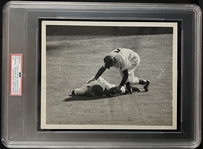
(100, 88)
(126, 60)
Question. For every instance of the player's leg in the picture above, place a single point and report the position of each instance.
(146, 85)
(135, 80)
(134, 64)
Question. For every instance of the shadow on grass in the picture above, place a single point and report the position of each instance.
(83, 98)
(86, 98)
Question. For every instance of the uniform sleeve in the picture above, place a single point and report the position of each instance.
(105, 84)
(81, 91)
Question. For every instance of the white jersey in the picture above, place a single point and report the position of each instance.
(125, 58)
(100, 81)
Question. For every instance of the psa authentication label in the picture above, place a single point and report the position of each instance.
(16, 62)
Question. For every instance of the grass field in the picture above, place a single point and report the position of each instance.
(72, 60)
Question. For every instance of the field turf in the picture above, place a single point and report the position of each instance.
(72, 60)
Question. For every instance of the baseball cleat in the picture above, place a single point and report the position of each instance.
(146, 86)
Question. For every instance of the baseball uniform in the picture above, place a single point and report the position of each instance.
(126, 59)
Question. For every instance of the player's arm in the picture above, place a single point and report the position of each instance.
(98, 74)
(79, 91)
(124, 79)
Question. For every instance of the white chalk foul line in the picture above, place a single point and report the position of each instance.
(160, 73)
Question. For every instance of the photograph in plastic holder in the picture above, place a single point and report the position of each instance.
(108, 75)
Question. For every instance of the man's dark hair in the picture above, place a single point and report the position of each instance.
(97, 90)
(109, 60)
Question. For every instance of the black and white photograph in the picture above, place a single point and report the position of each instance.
(108, 75)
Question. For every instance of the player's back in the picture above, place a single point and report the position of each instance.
(123, 52)
(123, 57)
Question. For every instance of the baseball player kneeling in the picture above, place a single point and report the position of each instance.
(126, 60)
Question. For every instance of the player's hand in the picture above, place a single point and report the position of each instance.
(93, 79)
(72, 93)
(118, 88)
(129, 91)
(115, 91)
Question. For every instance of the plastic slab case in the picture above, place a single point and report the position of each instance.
(43, 41)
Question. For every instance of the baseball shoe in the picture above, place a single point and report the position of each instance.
(146, 86)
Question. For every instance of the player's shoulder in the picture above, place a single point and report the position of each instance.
(127, 49)
(119, 52)
(131, 51)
